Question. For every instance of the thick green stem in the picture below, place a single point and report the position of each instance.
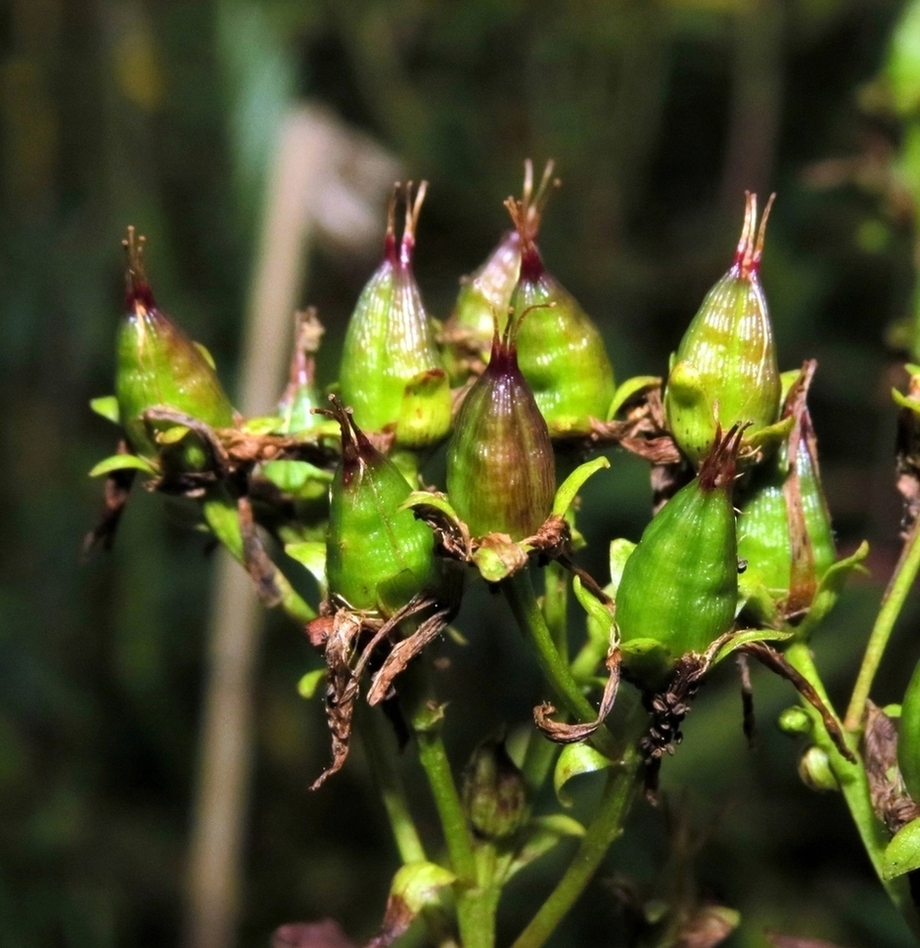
(390, 785)
(893, 602)
(855, 789)
(519, 592)
(604, 829)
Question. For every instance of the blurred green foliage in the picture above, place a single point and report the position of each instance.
(659, 115)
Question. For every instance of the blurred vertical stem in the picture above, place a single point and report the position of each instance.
(902, 581)
(854, 786)
(604, 829)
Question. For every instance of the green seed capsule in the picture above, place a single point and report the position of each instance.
(391, 372)
(302, 395)
(725, 370)
(485, 296)
(160, 367)
(679, 588)
(377, 556)
(501, 475)
(560, 350)
(784, 530)
(909, 736)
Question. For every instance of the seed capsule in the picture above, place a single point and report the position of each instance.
(909, 736)
(302, 394)
(784, 528)
(679, 587)
(725, 370)
(561, 353)
(158, 365)
(501, 474)
(391, 373)
(377, 556)
(485, 296)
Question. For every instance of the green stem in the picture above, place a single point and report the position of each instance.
(604, 829)
(389, 783)
(855, 788)
(893, 602)
(519, 592)
(476, 904)
(555, 606)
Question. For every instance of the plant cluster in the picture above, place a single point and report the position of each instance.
(737, 559)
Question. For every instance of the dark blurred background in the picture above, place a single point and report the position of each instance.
(167, 115)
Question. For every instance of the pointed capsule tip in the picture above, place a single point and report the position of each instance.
(750, 246)
(717, 472)
(137, 288)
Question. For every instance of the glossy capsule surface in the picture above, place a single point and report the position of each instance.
(679, 587)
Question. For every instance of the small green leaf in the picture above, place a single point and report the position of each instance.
(902, 854)
(542, 835)
(294, 477)
(905, 401)
(574, 482)
(107, 407)
(629, 389)
(172, 435)
(310, 683)
(596, 610)
(620, 551)
(830, 587)
(122, 462)
(746, 636)
(417, 884)
(575, 759)
(262, 425)
(420, 499)
(312, 555)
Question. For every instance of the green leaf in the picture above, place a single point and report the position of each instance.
(630, 388)
(312, 555)
(172, 435)
(122, 462)
(620, 551)
(310, 683)
(262, 425)
(107, 407)
(576, 759)
(541, 835)
(746, 636)
(902, 854)
(905, 402)
(417, 884)
(573, 484)
(419, 499)
(830, 587)
(298, 477)
(598, 613)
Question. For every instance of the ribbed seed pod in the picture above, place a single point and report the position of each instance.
(391, 374)
(485, 296)
(494, 792)
(909, 736)
(560, 350)
(377, 556)
(784, 529)
(501, 475)
(158, 366)
(725, 371)
(302, 395)
(679, 587)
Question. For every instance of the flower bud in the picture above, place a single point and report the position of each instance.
(391, 373)
(725, 371)
(158, 365)
(377, 555)
(561, 352)
(494, 793)
(679, 587)
(816, 772)
(501, 475)
(302, 394)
